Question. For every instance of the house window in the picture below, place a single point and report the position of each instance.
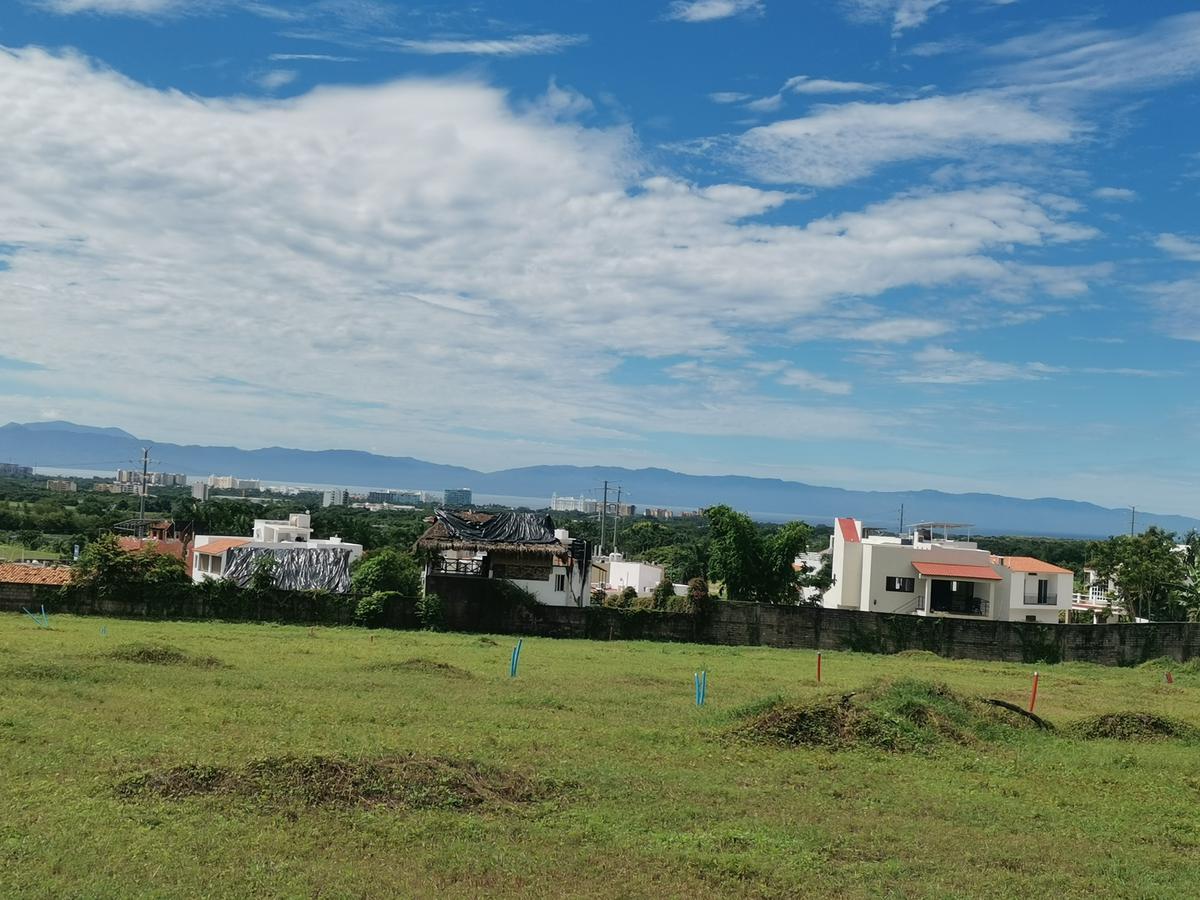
(1031, 618)
(903, 585)
(1043, 590)
(560, 582)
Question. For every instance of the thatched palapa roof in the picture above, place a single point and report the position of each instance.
(512, 532)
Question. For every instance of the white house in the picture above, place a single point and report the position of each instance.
(302, 561)
(921, 574)
(642, 577)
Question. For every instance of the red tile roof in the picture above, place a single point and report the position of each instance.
(20, 573)
(849, 531)
(1032, 566)
(949, 570)
(167, 548)
(220, 545)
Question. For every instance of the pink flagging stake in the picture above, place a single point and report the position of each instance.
(1170, 678)
(1033, 696)
(818, 667)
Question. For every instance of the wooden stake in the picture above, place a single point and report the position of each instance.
(1033, 696)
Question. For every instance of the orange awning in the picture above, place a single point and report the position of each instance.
(957, 572)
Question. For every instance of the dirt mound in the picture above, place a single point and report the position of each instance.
(418, 664)
(161, 655)
(1132, 726)
(898, 716)
(43, 672)
(401, 782)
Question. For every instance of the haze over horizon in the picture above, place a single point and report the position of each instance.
(877, 244)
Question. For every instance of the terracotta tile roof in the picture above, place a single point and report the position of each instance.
(1032, 566)
(220, 545)
(167, 548)
(949, 570)
(20, 573)
(849, 531)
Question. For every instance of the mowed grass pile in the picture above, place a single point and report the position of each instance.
(195, 759)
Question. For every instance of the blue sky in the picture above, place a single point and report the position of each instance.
(882, 244)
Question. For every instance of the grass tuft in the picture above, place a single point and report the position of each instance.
(161, 655)
(903, 716)
(1132, 726)
(419, 664)
(403, 782)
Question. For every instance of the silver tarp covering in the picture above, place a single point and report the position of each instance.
(301, 569)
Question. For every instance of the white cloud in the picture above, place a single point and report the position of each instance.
(518, 45)
(114, 7)
(898, 330)
(275, 79)
(1070, 57)
(421, 257)
(728, 97)
(903, 15)
(838, 144)
(314, 57)
(803, 84)
(1177, 305)
(766, 104)
(811, 382)
(1185, 248)
(711, 10)
(941, 365)
(1114, 193)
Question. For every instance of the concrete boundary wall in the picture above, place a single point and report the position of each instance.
(733, 624)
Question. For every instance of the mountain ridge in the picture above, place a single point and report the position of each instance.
(66, 445)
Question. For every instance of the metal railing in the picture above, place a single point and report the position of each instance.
(1035, 600)
(961, 606)
(469, 567)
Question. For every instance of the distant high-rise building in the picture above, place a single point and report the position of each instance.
(456, 498)
(200, 491)
(13, 470)
(61, 486)
(336, 497)
(574, 504)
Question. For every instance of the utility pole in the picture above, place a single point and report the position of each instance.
(142, 504)
(603, 517)
(1132, 519)
(901, 531)
(616, 518)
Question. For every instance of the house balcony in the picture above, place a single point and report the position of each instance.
(466, 568)
(962, 606)
(1045, 600)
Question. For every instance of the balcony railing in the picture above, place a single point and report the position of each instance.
(961, 606)
(1035, 600)
(469, 567)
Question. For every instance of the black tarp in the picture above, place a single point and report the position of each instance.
(502, 528)
(299, 569)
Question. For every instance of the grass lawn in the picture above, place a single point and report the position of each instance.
(638, 791)
(15, 553)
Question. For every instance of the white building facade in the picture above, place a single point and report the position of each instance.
(922, 575)
(642, 577)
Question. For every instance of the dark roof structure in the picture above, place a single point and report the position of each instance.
(516, 532)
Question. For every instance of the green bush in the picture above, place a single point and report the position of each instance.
(371, 609)
(598, 596)
(629, 595)
(431, 612)
(664, 594)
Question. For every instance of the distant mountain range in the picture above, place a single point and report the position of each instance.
(68, 446)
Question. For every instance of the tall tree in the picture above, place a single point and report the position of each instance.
(753, 566)
(1148, 571)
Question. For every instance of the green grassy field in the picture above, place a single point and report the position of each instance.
(15, 552)
(629, 788)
